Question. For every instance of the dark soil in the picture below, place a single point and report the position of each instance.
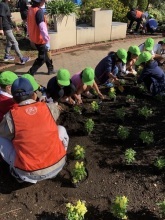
(108, 174)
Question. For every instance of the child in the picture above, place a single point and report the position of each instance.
(133, 53)
(148, 45)
(152, 75)
(6, 99)
(83, 82)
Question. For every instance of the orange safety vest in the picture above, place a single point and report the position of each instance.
(138, 14)
(33, 29)
(36, 140)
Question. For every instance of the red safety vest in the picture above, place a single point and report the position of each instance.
(36, 140)
(33, 29)
(138, 14)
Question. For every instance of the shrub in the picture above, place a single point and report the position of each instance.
(78, 173)
(160, 163)
(146, 112)
(161, 206)
(119, 207)
(130, 155)
(89, 125)
(77, 109)
(122, 132)
(120, 113)
(76, 211)
(79, 152)
(147, 137)
(112, 93)
(95, 106)
(142, 5)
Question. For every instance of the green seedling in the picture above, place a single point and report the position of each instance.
(130, 98)
(112, 93)
(89, 125)
(160, 163)
(79, 152)
(130, 156)
(78, 173)
(77, 109)
(123, 132)
(142, 88)
(146, 112)
(120, 113)
(77, 211)
(161, 206)
(95, 106)
(122, 82)
(147, 137)
(119, 207)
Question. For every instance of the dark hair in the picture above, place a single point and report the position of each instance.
(19, 99)
(129, 56)
(35, 4)
(3, 86)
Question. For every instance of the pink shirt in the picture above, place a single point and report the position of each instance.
(77, 81)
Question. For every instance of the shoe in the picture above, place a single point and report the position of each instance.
(51, 71)
(8, 57)
(109, 85)
(24, 60)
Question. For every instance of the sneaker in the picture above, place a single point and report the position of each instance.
(109, 85)
(8, 58)
(24, 60)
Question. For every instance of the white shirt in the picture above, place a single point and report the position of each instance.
(142, 48)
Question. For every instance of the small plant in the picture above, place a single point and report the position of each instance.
(77, 109)
(95, 106)
(89, 125)
(160, 163)
(119, 207)
(130, 155)
(122, 82)
(130, 98)
(120, 113)
(77, 211)
(112, 93)
(161, 206)
(78, 173)
(142, 88)
(123, 132)
(147, 137)
(146, 112)
(79, 152)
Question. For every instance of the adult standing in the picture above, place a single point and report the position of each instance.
(38, 34)
(6, 26)
(23, 6)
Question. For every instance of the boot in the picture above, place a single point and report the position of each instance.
(51, 69)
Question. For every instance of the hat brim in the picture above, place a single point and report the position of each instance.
(64, 83)
(138, 62)
(149, 48)
(124, 60)
(89, 83)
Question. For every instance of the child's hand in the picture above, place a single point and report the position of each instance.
(101, 95)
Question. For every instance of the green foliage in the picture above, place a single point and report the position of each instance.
(120, 113)
(89, 125)
(130, 98)
(77, 211)
(61, 7)
(130, 3)
(130, 155)
(78, 173)
(94, 106)
(160, 163)
(79, 152)
(146, 112)
(123, 132)
(77, 109)
(142, 5)
(161, 206)
(147, 137)
(122, 82)
(142, 88)
(119, 207)
(112, 93)
(157, 13)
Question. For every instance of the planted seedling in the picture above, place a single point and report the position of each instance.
(123, 132)
(89, 125)
(142, 88)
(120, 113)
(147, 137)
(146, 112)
(119, 207)
(130, 156)
(95, 106)
(77, 109)
(79, 152)
(161, 206)
(130, 98)
(122, 82)
(77, 211)
(112, 93)
(78, 173)
(160, 163)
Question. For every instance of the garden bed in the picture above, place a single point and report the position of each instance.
(108, 174)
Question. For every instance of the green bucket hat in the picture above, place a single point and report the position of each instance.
(33, 82)
(88, 76)
(143, 57)
(122, 54)
(7, 78)
(164, 41)
(134, 50)
(149, 44)
(63, 77)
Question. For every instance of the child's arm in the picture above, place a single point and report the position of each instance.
(96, 88)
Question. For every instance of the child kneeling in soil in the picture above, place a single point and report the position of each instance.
(83, 82)
(152, 75)
(133, 53)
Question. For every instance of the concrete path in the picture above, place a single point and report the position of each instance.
(77, 60)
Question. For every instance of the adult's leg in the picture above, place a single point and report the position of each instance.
(11, 40)
(131, 23)
(63, 136)
(138, 20)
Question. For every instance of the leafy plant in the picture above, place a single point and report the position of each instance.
(120, 113)
(89, 125)
(119, 207)
(77, 109)
(94, 106)
(160, 163)
(161, 206)
(77, 211)
(112, 93)
(130, 155)
(78, 173)
(79, 152)
(147, 137)
(123, 132)
(122, 82)
(130, 98)
(142, 88)
(146, 112)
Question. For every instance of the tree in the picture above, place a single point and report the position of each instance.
(142, 5)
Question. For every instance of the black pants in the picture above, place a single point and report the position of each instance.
(66, 91)
(42, 58)
(138, 20)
